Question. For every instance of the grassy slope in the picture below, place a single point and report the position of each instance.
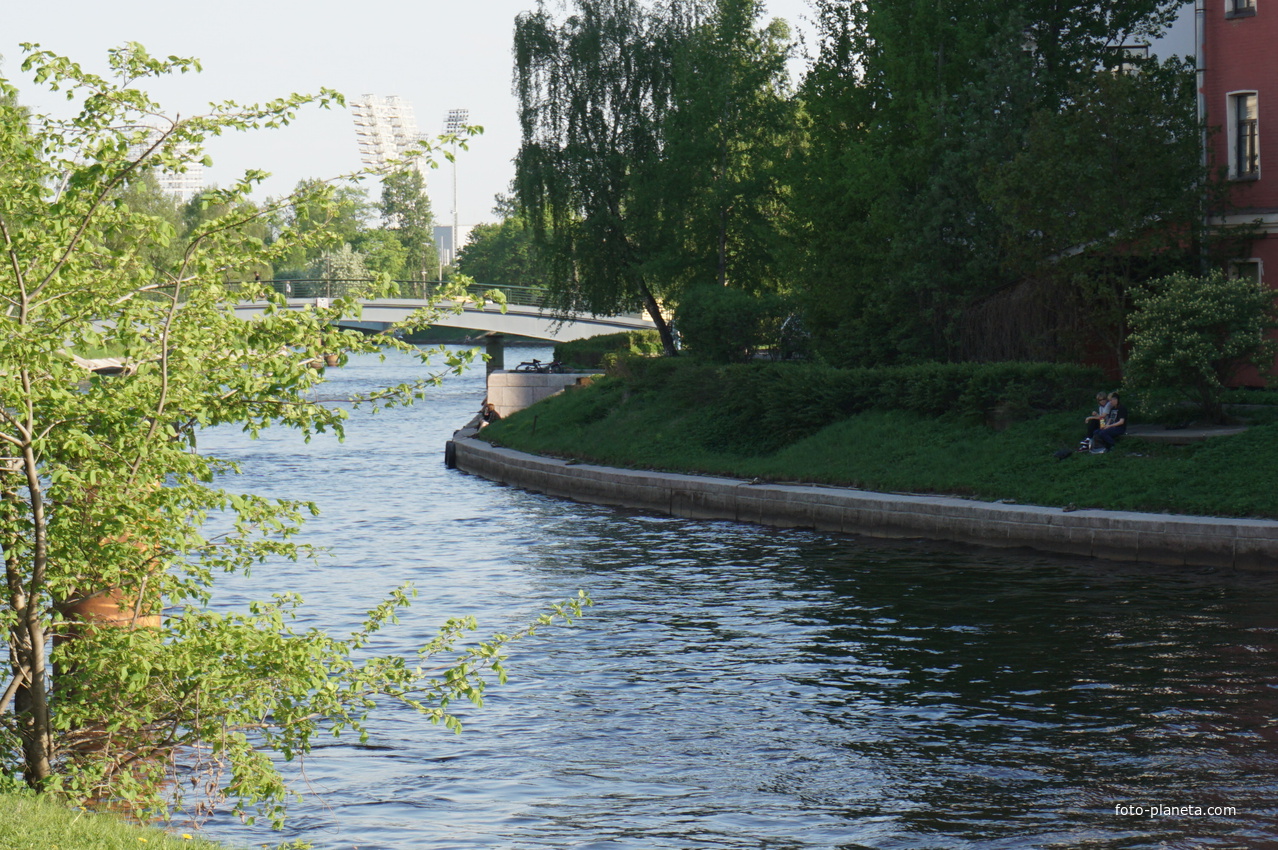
(28, 822)
(893, 451)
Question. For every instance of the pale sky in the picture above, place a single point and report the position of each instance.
(437, 55)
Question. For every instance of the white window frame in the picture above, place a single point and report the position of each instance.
(1236, 267)
(1240, 8)
(1232, 101)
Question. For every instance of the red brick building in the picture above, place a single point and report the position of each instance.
(1238, 63)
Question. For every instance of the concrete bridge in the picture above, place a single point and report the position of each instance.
(524, 315)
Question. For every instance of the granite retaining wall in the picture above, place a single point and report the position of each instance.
(510, 392)
(1115, 535)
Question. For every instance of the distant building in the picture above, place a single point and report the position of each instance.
(386, 130)
(1238, 89)
(186, 184)
(445, 245)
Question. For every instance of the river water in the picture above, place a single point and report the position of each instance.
(743, 687)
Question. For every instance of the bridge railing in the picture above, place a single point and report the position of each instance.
(524, 296)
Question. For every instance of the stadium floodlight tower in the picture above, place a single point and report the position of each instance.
(386, 130)
(454, 124)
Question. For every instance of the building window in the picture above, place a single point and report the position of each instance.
(1244, 137)
(1245, 269)
(1126, 58)
(1240, 8)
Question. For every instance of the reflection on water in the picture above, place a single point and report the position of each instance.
(744, 687)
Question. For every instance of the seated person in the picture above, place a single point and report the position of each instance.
(1115, 426)
(1095, 421)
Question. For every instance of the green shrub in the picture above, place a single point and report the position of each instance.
(1250, 395)
(1194, 334)
(589, 353)
(757, 408)
(726, 325)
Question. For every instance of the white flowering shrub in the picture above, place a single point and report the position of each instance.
(342, 264)
(1192, 335)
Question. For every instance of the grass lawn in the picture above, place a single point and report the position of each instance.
(28, 822)
(900, 452)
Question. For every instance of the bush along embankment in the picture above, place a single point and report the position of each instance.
(597, 351)
(982, 431)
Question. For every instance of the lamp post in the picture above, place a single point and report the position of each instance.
(455, 123)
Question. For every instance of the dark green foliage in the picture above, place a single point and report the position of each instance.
(969, 161)
(589, 353)
(726, 325)
(653, 135)
(1250, 396)
(721, 190)
(768, 406)
(757, 408)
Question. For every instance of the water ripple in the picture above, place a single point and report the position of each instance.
(743, 687)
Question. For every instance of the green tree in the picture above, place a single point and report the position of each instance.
(730, 128)
(1194, 334)
(343, 264)
(143, 195)
(383, 253)
(727, 325)
(319, 216)
(202, 209)
(1106, 191)
(405, 209)
(912, 107)
(104, 495)
(503, 252)
(593, 93)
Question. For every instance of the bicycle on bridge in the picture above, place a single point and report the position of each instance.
(541, 368)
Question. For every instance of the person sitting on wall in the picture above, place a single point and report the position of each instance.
(1115, 426)
(487, 414)
(1095, 421)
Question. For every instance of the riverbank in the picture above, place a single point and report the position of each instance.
(1112, 535)
(959, 478)
(30, 822)
(731, 423)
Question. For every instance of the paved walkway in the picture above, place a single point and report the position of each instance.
(1182, 436)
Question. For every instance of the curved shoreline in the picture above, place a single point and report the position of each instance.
(1243, 544)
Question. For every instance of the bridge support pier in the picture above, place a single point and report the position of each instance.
(510, 392)
(494, 347)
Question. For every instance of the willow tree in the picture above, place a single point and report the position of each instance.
(593, 92)
(121, 679)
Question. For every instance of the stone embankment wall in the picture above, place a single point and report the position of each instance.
(1114, 535)
(512, 391)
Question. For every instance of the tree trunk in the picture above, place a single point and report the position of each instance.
(31, 700)
(27, 648)
(663, 327)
